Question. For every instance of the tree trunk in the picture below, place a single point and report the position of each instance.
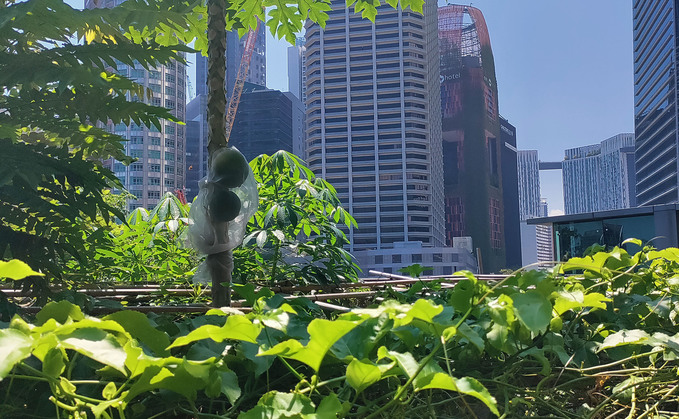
(220, 265)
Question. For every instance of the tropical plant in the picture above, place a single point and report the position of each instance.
(603, 342)
(60, 90)
(294, 236)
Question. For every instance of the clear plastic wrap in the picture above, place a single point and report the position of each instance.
(207, 233)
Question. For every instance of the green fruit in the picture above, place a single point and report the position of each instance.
(229, 168)
(224, 205)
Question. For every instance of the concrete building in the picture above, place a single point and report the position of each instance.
(373, 124)
(528, 165)
(510, 194)
(471, 134)
(655, 101)
(267, 121)
(600, 177)
(160, 150)
(296, 73)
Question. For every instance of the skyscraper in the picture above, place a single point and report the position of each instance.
(197, 108)
(373, 122)
(160, 152)
(510, 193)
(528, 166)
(296, 73)
(655, 102)
(600, 177)
(268, 121)
(471, 131)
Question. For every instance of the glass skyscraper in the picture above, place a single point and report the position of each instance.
(655, 79)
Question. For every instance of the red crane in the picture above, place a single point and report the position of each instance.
(240, 79)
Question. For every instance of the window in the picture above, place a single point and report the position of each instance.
(169, 142)
(169, 129)
(153, 194)
(169, 168)
(396, 259)
(155, 168)
(437, 257)
(154, 154)
(169, 183)
(379, 260)
(136, 180)
(137, 154)
(154, 181)
(155, 141)
(417, 258)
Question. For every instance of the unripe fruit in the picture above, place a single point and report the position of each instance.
(224, 205)
(229, 168)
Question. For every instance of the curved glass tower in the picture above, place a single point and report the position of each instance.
(471, 134)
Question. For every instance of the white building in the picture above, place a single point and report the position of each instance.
(374, 125)
(600, 177)
(159, 151)
(528, 166)
(296, 73)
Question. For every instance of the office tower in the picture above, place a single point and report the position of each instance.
(471, 134)
(528, 167)
(267, 121)
(600, 177)
(159, 152)
(655, 103)
(510, 193)
(543, 236)
(373, 124)
(196, 109)
(196, 144)
(296, 64)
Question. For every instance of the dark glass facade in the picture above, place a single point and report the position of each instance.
(655, 79)
(510, 194)
(472, 148)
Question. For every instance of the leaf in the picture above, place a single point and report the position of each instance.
(229, 386)
(16, 269)
(322, 335)
(624, 337)
(60, 311)
(98, 345)
(14, 347)
(466, 385)
(362, 374)
(140, 328)
(53, 363)
(236, 328)
(109, 391)
(533, 309)
(468, 333)
(275, 404)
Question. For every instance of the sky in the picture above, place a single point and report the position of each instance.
(564, 73)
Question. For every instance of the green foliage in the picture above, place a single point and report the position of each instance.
(58, 96)
(599, 343)
(294, 235)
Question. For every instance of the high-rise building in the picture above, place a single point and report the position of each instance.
(528, 166)
(159, 151)
(655, 101)
(268, 121)
(296, 74)
(471, 134)
(600, 177)
(373, 124)
(510, 194)
(197, 107)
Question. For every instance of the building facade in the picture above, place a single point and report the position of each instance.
(296, 73)
(471, 134)
(160, 151)
(267, 121)
(600, 177)
(655, 101)
(528, 166)
(373, 123)
(510, 194)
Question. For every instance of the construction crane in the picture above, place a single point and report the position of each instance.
(240, 79)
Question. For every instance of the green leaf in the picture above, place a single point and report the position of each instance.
(229, 386)
(16, 269)
(280, 405)
(14, 348)
(533, 309)
(140, 328)
(53, 363)
(322, 335)
(362, 374)
(237, 327)
(625, 337)
(109, 391)
(472, 387)
(466, 332)
(98, 345)
(60, 311)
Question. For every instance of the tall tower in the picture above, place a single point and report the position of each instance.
(655, 101)
(160, 152)
(296, 73)
(374, 122)
(471, 134)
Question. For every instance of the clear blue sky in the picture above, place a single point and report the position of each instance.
(564, 70)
